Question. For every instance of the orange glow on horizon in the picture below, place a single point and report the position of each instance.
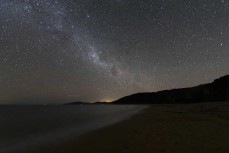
(107, 100)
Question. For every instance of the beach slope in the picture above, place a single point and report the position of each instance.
(171, 128)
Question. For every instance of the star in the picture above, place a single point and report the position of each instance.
(52, 49)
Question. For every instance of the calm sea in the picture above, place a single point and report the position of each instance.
(24, 127)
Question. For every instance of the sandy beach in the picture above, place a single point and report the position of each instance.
(114, 76)
(160, 129)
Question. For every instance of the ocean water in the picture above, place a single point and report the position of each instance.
(26, 127)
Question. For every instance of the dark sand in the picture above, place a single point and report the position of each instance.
(194, 128)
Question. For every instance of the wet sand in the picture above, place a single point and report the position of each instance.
(159, 129)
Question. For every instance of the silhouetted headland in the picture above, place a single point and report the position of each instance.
(218, 90)
(211, 92)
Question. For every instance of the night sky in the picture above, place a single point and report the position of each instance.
(57, 51)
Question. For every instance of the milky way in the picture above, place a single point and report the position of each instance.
(57, 51)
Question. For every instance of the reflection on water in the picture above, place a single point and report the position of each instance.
(25, 126)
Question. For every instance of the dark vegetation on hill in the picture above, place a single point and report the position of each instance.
(215, 91)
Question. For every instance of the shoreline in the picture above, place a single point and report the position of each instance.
(161, 129)
(53, 139)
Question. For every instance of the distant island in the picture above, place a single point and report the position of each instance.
(218, 90)
(86, 103)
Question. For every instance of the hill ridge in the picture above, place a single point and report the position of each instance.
(218, 90)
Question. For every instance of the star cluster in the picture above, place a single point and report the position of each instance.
(56, 51)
